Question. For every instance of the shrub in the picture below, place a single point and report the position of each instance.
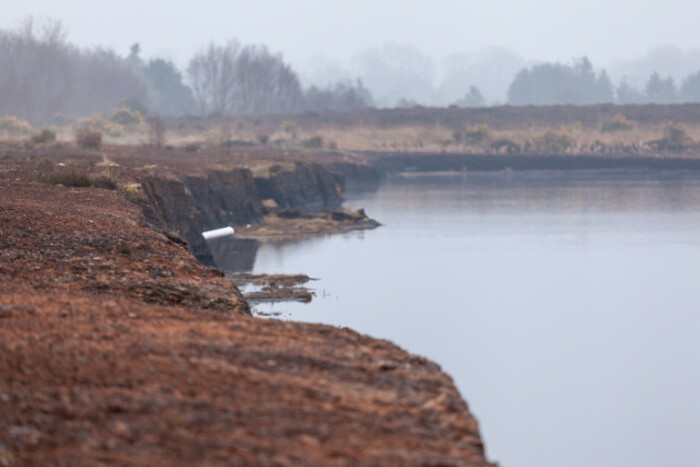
(618, 123)
(263, 138)
(501, 145)
(675, 138)
(192, 147)
(45, 135)
(134, 105)
(315, 142)
(15, 126)
(68, 177)
(476, 134)
(127, 117)
(103, 182)
(554, 142)
(219, 135)
(156, 131)
(87, 138)
(290, 128)
(73, 177)
(98, 122)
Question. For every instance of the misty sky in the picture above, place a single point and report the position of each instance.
(605, 30)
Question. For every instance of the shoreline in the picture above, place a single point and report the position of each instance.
(119, 347)
(397, 162)
(137, 315)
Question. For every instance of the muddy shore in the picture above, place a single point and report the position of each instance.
(274, 287)
(118, 347)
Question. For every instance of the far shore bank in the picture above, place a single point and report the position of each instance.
(394, 162)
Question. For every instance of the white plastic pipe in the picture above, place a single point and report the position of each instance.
(218, 233)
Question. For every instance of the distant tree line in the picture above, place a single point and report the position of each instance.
(660, 90)
(577, 83)
(556, 83)
(44, 78)
(342, 96)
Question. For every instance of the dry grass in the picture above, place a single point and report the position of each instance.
(431, 139)
(510, 132)
(406, 138)
(414, 138)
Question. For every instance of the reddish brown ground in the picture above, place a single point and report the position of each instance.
(118, 348)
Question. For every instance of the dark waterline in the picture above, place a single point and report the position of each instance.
(565, 306)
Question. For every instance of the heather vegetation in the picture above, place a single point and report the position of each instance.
(617, 123)
(75, 177)
(87, 138)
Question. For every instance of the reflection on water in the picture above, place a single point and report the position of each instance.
(564, 306)
(235, 254)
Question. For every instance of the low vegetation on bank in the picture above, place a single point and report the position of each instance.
(632, 130)
(74, 177)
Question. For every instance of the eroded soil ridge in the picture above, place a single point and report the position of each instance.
(117, 347)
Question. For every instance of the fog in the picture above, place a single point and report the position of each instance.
(427, 53)
(540, 29)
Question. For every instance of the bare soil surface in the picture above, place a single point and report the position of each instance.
(124, 161)
(118, 348)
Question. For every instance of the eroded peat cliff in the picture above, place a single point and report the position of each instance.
(118, 347)
(191, 204)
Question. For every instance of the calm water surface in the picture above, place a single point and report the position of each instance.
(565, 307)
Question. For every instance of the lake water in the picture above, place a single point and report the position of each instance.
(565, 306)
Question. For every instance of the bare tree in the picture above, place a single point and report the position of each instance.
(36, 75)
(212, 77)
(41, 75)
(247, 81)
(266, 84)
